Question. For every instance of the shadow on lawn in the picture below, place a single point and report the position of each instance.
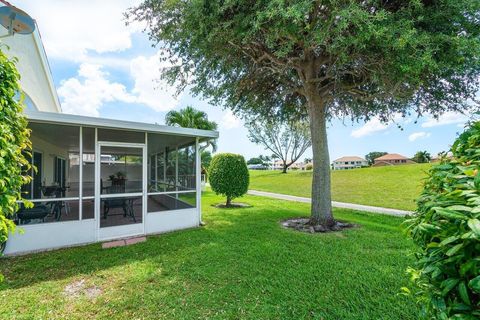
(226, 229)
(22, 271)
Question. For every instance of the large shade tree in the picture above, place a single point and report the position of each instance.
(321, 59)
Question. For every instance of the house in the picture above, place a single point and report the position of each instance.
(349, 162)
(278, 165)
(100, 179)
(391, 159)
(36, 79)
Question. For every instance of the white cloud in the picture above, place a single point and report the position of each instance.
(447, 118)
(71, 28)
(417, 135)
(229, 121)
(90, 89)
(372, 126)
(375, 125)
(86, 93)
(155, 93)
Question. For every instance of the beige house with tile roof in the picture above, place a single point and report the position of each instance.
(392, 159)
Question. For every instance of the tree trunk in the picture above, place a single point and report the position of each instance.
(229, 202)
(321, 210)
(284, 170)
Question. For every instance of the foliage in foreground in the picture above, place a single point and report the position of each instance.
(14, 138)
(229, 176)
(446, 228)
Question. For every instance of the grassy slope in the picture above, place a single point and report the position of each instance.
(390, 187)
(242, 265)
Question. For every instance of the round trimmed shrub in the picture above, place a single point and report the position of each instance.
(446, 230)
(228, 175)
(309, 166)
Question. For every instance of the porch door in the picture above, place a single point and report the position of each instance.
(121, 189)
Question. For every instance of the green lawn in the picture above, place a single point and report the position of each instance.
(242, 265)
(390, 187)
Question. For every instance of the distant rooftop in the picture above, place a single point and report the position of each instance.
(391, 156)
(349, 158)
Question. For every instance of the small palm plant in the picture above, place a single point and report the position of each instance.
(190, 117)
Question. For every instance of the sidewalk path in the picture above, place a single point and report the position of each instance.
(359, 207)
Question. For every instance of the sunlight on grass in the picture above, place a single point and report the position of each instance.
(390, 187)
(242, 264)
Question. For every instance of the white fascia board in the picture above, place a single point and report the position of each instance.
(46, 66)
(63, 118)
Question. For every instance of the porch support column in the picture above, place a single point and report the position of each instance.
(165, 163)
(198, 180)
(80, 176)
(176, 172)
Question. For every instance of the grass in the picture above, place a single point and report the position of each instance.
(242, 265)
(390, 187)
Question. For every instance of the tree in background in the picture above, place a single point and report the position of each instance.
(14, 144)
(190, 117)
(371, 156)
(321, 59)
(254, 160)
(206, 157)
(422, 157)
(288, 141)
(261, 159)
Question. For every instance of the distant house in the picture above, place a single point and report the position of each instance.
(278, 165)
(349, 162)
(391, 159)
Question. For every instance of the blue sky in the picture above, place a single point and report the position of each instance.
(103, 68)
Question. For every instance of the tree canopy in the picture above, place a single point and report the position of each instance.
(365, 57)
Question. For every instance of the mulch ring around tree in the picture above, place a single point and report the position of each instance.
(303, 225)
(233, 205)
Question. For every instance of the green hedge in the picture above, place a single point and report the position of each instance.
(446, 229)
(229, 176)
(14, 139)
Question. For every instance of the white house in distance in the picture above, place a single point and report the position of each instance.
(349, 162)
(278, 165)
(99, 179)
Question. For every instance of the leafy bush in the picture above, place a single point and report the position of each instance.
(229, 176)
(309, 166)
(14, 138)
(446, 228)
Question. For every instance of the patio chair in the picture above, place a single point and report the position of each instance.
(52, 192)
(26, 215)
(125, 204)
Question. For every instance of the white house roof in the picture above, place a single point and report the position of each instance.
(36, 78)
(349, 158)
(63, 118)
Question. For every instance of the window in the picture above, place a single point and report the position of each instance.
(172, 173)
(54, 188)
